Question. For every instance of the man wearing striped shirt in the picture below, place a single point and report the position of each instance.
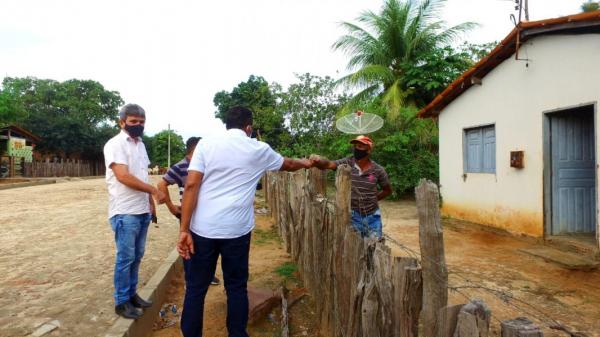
(370, 183)
(177, 174)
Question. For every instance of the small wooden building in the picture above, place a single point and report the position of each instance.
(16, 149)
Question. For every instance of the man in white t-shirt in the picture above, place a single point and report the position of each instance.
(130, 206)
(218, 217)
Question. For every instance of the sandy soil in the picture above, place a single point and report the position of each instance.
(542, 291)
(57, 257)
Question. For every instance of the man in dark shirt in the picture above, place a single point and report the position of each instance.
(366, 177)
(177, 174)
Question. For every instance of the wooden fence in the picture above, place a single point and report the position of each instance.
(64, 168)
(360, 289)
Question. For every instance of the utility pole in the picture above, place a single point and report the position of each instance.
(526, 9)
(169, 145)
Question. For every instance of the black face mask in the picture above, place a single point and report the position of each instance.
(134, 130)
(360, 154)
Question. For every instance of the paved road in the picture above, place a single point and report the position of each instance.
(57, 255)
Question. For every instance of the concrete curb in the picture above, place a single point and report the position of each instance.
(26, 184)
(155, 290)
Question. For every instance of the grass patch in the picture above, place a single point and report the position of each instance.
(287, 270)
(263, 237)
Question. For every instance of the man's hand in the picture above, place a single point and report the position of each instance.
(315, 159)
(175, 210)
(185, 245)
(306, 163)
(291, 165)
(322, 164)
(159, 196)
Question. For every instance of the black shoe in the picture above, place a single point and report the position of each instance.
(215, 281)
(127, 310)
(138, 302)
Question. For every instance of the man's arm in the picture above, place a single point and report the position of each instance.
(152, 209)
(384, 181)
(185, 245)
(163, 187)
(124, 177)
(290, 164)
(322, 163)
(386, 190)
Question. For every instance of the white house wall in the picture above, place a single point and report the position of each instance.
(563, 71)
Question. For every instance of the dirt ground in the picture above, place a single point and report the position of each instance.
(541, 291)
(57, 252)
(517, 284)
(57, 257)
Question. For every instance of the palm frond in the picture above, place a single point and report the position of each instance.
(359, 98)
(394, 97)
(364, 47)
(367, 76)
(451, 34)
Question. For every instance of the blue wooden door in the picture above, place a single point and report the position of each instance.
(573, 173)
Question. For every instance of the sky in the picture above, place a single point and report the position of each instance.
(171, 57)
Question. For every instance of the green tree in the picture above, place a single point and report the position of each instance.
(72, 117)
(590, 6)
(439, 67)
(261, 98)
(309, 108)
(403, 36)
(8, 111)
(476, 51)
(157, 148)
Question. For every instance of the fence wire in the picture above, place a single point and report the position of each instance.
(505, 296)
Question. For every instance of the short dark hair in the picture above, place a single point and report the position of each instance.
(190, 143)
(238, 117)
(131, 109)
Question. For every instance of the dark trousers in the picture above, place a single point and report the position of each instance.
(199, 271)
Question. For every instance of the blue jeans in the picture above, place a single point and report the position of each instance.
(200, 270)
(130, 238)
(368, 225)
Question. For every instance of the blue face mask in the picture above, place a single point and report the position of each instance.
(134, 130)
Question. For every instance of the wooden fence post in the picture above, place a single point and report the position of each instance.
(408, 296)
(448, 318)
(265, 187)
(431, 240)
(520, 327)
(285, 330)
(317, 182)
(473, 320)
(341, 276)
(342, 198)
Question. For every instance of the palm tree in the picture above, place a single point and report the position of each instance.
(383, 46)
